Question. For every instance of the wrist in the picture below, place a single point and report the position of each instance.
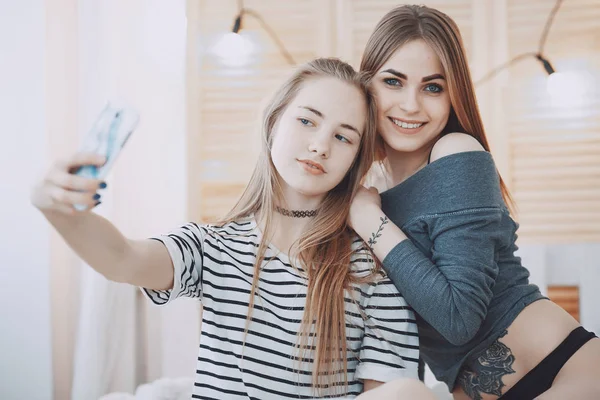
(368, 219)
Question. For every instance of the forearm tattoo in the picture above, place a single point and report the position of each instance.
(376, 235)
(485, 374)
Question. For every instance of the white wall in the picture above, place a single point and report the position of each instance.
(59, 61)
(25, 352)
(135, 51)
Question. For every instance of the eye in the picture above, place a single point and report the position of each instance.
(305, 122)
(392, 82)
(342, 138)
(434, 88)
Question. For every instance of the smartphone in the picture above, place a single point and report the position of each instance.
(108, 135)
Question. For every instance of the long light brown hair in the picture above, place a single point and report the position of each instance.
(412, 22)
(324, 250)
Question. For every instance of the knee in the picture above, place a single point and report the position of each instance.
(406, 388)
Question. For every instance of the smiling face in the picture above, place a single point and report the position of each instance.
(317, 137)
(413, 100)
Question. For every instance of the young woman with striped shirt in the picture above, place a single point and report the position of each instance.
(293, 304)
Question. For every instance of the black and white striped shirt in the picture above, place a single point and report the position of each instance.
(215, 265)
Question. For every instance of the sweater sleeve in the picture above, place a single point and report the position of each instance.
(461, 271)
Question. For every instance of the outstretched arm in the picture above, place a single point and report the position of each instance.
(95, 239)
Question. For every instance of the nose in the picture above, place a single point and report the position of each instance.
(320, 143)
(409, 101)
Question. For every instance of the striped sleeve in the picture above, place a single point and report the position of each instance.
(185, 247)
(390, 346)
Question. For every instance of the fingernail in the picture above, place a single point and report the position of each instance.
(97, 203)
(102, 185)
(96, 196)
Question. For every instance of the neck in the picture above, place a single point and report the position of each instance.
(286, 230)
(402, 165)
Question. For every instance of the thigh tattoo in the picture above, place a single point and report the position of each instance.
(484, 374)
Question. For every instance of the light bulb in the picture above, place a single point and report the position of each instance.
(567, 89)
(234, 50)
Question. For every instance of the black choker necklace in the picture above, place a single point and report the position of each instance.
(296, 213)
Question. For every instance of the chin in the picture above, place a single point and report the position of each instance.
(305, 187)
(407, 144)
(309, 191)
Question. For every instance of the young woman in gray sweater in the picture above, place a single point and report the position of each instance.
(444, 232)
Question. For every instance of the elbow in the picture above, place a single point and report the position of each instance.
(120, 277)
(128, 273)
(112, 271)
(123, 268)
(462, 331)
(459, 338)
(118, 273)
(466, 316)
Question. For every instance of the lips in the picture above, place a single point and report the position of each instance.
(407, 128)
(407, 124)
(312, 166)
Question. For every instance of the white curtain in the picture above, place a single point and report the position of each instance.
(134, 50)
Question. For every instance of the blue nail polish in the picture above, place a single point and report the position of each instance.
(96, 196)
(102, 185)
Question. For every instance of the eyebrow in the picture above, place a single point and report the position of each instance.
(403, 76)
(320, 114)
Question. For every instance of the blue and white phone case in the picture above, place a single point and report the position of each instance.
(108, 135)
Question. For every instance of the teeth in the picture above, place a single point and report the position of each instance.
(406, 125)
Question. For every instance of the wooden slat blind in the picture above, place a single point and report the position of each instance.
(555, 149)
(566, 297)
(554, 152)
(366, 13)
(226, 135)
(230, 98)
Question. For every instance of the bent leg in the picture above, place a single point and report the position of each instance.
(399, 389)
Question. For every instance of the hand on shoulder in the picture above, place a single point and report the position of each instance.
(453, 143)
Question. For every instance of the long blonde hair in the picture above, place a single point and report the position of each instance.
(406, 23)
(325, 248)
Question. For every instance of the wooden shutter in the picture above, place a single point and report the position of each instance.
(362, 16)
(566, 297)
(226, 102)
(555, 149)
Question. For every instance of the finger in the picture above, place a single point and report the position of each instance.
(70, 198)
(75, 183)
(82, 158)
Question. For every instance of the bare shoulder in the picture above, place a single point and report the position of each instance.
(453, 143)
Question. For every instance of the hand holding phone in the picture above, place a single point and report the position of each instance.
(108, 135)
(72, 184)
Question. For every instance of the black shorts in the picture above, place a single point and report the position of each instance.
(540, 378)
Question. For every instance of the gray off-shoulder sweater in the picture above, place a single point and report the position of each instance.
(458, 270)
